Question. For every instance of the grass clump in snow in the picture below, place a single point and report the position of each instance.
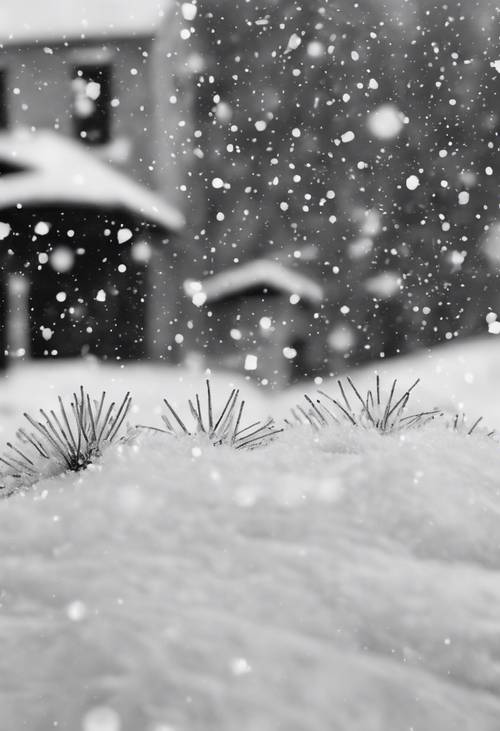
(459, 424)
(70, 440)
(223, 428)
(385, 414)
(74, 436)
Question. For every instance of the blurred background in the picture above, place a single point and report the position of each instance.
(284, 189)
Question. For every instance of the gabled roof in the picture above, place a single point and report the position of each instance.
(263, 273)
(27, 21)
(56, 169)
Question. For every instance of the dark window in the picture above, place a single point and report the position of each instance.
(7, 168)
(91, 86)
(3, 99)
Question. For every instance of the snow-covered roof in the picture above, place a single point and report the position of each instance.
(56, 169)
(252, 274)
(56, 20)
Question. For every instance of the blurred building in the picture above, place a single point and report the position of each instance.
(259, 317)
(87, 253)
(88, 71)
(306, 136)
(80, 129)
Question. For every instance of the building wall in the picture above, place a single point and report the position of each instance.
(174, 66)
(39, 94)
(264, 335)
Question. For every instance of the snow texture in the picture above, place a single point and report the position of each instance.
(53, 20)
(345, 580)
(346, 583)
(59, 170)
(258, 273)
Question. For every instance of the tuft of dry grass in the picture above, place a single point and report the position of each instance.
(74, 436)
(219, 428)
(386, 414)
(69, 440)
(459, 424)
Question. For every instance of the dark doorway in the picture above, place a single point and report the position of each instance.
(300, 364)
(87, 290)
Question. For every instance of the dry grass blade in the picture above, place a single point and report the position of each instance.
(69, 440)
(460, 425)
(385, 415)
(223, 428)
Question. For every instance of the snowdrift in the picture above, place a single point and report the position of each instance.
(342, 581)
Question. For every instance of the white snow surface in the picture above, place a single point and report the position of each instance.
(346, 580)
(60, 170)
(55, 21)
(259, 272)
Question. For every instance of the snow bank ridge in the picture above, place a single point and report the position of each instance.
(78, 435)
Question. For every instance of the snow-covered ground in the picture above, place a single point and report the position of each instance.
(462, 376)
(343, 580)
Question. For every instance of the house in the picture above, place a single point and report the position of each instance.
(96, 114)
(86, 253)
(260, 317)
(88, 70)
(80, 131)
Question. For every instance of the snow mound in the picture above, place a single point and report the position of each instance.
(345, 580)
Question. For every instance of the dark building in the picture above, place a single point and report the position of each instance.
(88, 250)
(87, 254)
(260, 317)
